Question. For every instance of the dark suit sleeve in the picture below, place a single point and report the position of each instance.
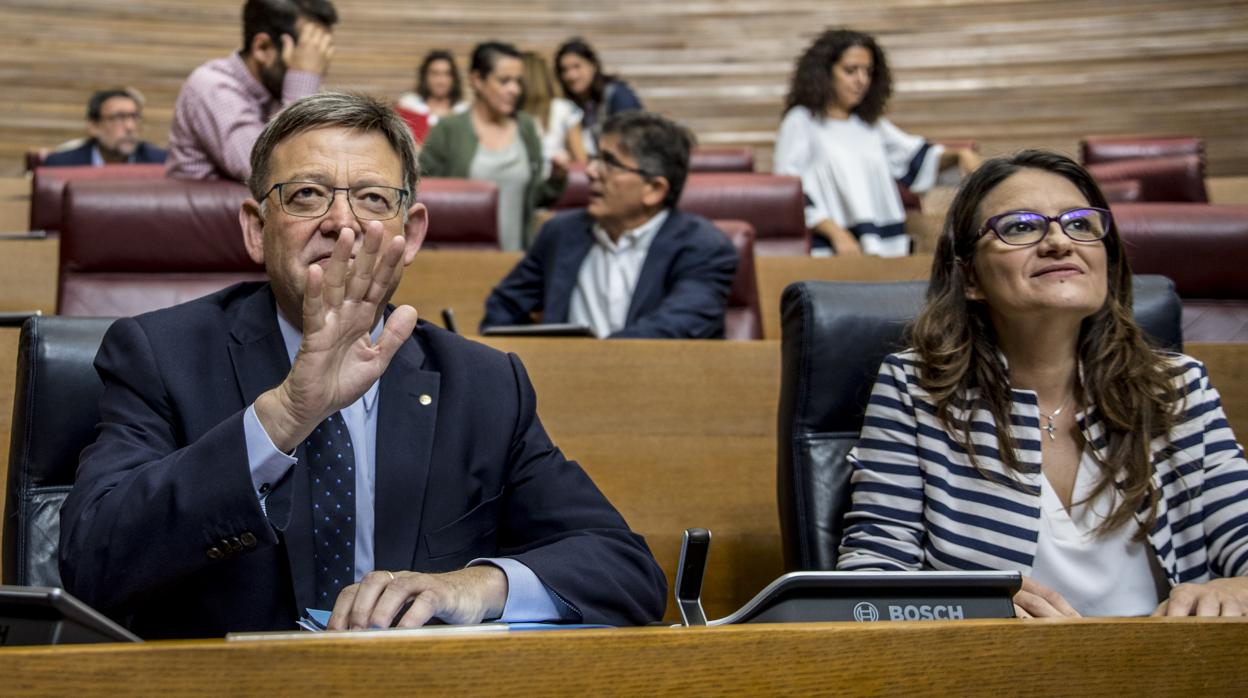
(522, 291)
(144, 511)
(66, 158)
(560, 525)
(699, 281)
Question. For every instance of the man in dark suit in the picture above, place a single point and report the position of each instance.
(296, 444)
(114, 118)
(630, 264)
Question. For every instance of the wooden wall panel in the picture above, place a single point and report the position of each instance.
(1009, 73)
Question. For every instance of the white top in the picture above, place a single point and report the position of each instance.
(608, 277)
(849, 170)
(564, 114)
(412, 102)
(1110, 575)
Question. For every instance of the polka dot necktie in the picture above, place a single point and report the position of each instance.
(331, 467)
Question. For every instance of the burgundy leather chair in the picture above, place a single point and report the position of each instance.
(1203, 248)
(1099, 149)
(132, 246)
(721, 160)
(1173, 178)
(772, 204)
(743, 318)
(47, 188)
(463, 213)
(128, 246)
(1168, 168)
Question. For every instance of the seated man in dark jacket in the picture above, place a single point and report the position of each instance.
(114, 118)
(630, 264)
(298, 444)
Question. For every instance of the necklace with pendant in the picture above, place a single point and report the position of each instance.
(1050, 417)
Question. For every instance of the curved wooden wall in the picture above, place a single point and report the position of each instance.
(1010, 74)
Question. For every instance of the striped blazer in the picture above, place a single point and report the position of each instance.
(919, 503)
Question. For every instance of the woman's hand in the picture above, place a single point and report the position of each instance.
(1220, 597)
(558, 167)
(843, 242)
(1035, 600)
(968, 161)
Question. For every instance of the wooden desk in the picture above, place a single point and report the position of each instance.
(460, 280)
(677, 434)
(776, 273)
(28, 274)
(1183, 657)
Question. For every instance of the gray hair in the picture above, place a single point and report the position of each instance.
(346, 110)
(660, 146)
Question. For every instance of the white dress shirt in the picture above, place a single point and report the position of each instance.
(608, 277)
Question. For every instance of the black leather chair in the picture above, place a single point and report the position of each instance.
(835, 335)
(54, 416)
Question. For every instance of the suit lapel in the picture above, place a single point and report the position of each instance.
(649, 290)
(260, 363)
(566, 267)
(408, 403)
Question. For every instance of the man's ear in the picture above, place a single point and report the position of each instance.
(415, 229)
(656, 192)
(252, 222)
(265, 49)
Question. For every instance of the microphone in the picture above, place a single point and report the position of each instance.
(448, 320)
(689, 573)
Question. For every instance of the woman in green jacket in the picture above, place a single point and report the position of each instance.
(496, 141)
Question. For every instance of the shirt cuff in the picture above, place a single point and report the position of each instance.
(528, 600)
(925, 178)
(299, 84)
(267, 463)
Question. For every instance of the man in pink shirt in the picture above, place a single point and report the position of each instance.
(225, 103)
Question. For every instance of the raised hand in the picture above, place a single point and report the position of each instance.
(337, 360)
(312, 52)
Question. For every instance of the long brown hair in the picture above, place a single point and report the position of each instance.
(539, 88)
(1123, 378)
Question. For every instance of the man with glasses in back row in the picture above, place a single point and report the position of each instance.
(114, 119)
(630, 264)
(297, 444)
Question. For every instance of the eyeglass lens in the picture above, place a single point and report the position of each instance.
(1026, 227)
(309, 199)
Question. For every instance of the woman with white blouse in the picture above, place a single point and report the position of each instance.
(849, 157)
(1031, 427)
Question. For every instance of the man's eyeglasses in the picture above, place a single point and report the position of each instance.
(312, 200)
(120, 117)
(608, 161)
(1024, 228)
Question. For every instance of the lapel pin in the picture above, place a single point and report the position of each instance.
(425, 399)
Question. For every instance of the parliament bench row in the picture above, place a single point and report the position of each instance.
(677, 434)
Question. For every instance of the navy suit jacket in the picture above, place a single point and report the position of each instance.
(681, 293)
(471, 474)
(145, 152)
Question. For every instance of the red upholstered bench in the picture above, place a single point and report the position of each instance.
(743, 317)
(47, 187)
(1163, 168)
(128, 246)
(1203, 248)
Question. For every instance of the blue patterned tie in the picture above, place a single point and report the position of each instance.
(331, 465)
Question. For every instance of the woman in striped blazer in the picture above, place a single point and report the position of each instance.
(1030, 427)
